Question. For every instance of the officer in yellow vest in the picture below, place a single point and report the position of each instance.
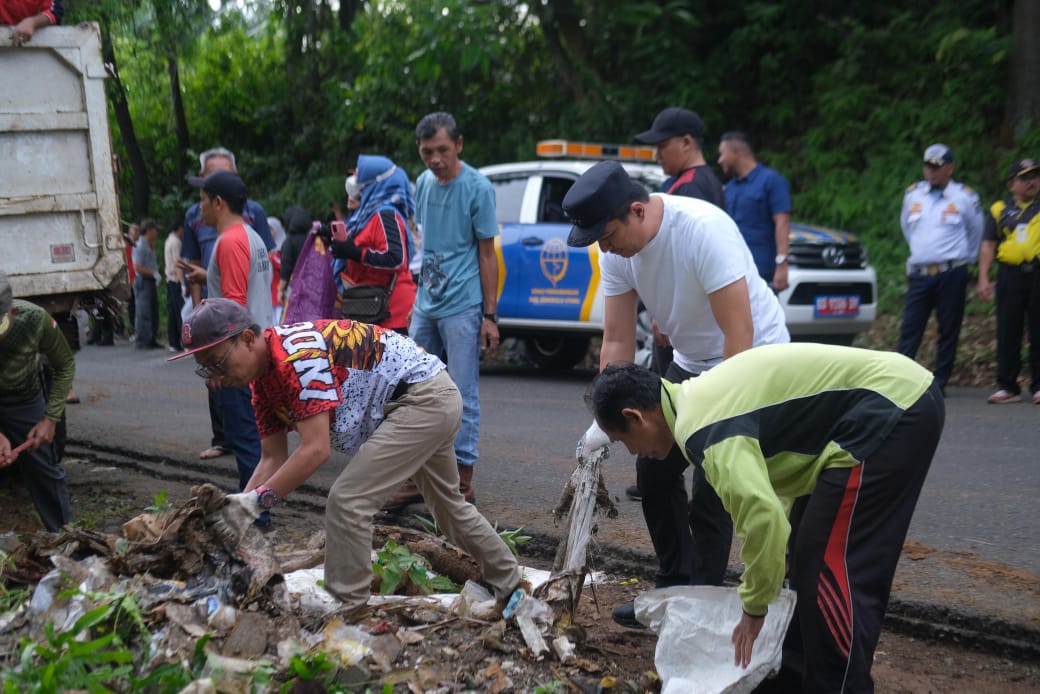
(1012, 236)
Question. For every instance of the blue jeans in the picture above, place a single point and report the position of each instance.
(457, 335)
(240, 432)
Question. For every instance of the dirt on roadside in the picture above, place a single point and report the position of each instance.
(104, 498)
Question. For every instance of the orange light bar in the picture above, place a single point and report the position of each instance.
(592, 150)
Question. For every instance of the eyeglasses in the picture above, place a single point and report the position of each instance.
(216, 369)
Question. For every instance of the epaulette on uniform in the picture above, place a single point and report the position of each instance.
(913, 186)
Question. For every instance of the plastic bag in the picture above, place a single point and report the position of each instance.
(694, 625)
(312, 292)
(189, 306)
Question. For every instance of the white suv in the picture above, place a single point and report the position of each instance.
(550, 295)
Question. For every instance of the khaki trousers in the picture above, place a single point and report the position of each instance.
(417, 440)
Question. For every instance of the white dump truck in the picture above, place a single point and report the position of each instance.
(60, 237)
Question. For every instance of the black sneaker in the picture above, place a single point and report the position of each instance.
(633, 493)
(625, 615)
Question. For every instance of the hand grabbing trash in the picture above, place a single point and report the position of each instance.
(591, 441)
(236, 515)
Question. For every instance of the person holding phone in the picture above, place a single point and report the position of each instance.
(374, 242)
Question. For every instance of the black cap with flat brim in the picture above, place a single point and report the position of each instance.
(222, 184)
(592, 200)
(1021, 168)
(673, 122)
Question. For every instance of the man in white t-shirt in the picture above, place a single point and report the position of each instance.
(685, 258)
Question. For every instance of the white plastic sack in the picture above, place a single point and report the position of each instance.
(694, 625)
(187, 308)
(304, 586)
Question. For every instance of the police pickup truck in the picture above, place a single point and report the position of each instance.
(550, 294)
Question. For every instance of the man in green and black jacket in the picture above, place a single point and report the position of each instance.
(849, 433)
(26, 417)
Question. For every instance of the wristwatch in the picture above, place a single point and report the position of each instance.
(493, 317)
(780, 259)
(268, 499)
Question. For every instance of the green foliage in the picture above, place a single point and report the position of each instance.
(893, 88)
(318, 668)
(513, 539)
(161, 503)
(105, 650)
(10, 598)
(553, 687)
(397, 567)
(413, 58)
(61, 663)
(841, 98)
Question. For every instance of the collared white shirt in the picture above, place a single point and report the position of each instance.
(942, 226)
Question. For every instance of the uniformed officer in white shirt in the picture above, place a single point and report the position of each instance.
(942, 221)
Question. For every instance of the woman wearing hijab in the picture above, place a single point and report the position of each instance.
(378, 245)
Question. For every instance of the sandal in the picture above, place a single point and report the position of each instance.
(214, 452)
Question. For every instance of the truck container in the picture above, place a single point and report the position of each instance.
(60, 238)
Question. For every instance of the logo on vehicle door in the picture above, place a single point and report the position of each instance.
(553, 260)
(833, 256)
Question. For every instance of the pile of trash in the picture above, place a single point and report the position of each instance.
(181, 602)
(176, 604)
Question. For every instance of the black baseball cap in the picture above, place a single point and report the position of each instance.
(938, 155)
(593, 198)
(673, 122)
(222, 184)
(1021, 167)
(212, 322)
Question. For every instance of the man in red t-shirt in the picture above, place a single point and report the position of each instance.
(368, 392)
(26, 16)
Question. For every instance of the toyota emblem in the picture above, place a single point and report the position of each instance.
(833, 256)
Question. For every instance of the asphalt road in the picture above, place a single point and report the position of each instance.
(973, 548)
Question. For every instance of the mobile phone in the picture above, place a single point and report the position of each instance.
(339, 231)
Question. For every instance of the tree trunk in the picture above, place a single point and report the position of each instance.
(1025, 65)
(565, 37)
(177, 101)
(348, 10)
(117, 94)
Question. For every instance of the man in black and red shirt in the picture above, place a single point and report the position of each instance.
(678, 135)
